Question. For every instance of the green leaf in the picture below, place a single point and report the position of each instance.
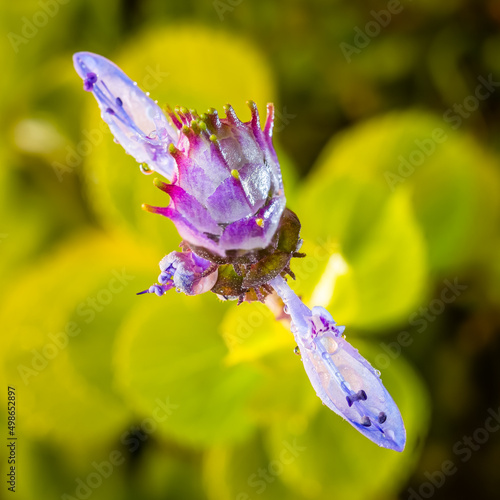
(362, 280)
(170, 349)
(398, 196)
(244, 472)
(59, 352)
(254, 337)
(166, 472)
(250, 331)
(452, 182)
(391, 260)
(72, 474)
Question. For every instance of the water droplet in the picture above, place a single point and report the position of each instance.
(286, 310)
(153, 134)
(324, 378)
(135, 84)
(329, 344)
(377, 372)
(297, 350)
(116, 141)
(156, 101)
(145, 169)
(147, 93)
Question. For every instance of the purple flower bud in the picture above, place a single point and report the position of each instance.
(189, 273)
(226, 192)
(135, 120)
(186, 272)
(341, 377)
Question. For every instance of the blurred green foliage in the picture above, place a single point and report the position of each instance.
(201, 399)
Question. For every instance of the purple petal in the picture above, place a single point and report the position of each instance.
(191, 209)
(232, 152)
(256, 181)
(196, 179)
(341, 377)
(157, 289)
(188, 231)
(229, 203)
(265, 140)
(135, 120)
(246, 234)
(185, 270)
(242, 147)
(334, 362)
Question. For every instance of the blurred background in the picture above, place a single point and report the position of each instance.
(387, 132)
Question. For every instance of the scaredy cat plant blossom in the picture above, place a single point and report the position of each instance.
(238, 238)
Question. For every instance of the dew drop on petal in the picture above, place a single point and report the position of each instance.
(325, 378)
(145, 169)
(329, 344)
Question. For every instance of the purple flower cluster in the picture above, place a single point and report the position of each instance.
(238, 238)
(226, 192)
